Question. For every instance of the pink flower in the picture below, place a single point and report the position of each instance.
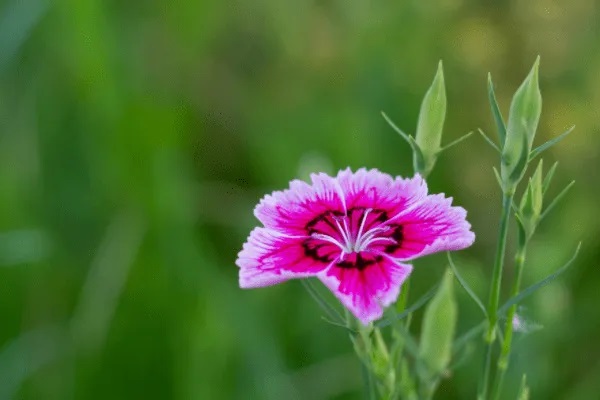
(354, 232)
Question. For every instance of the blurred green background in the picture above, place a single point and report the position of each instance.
(136, 138)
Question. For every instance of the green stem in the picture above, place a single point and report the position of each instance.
(490, 336)
(504, 358)
(486, 374)
(366, 349)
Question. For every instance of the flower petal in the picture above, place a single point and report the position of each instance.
(374, 189)
(291, 210)
(432, 225)
(365, 292)
(269, 257)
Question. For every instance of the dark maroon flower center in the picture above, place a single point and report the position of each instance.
(356, 239)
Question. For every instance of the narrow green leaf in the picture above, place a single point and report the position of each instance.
(333, 314)
(459, 359)
(489, 141)
(498, 179)
(466, 337)
(541, 148)
(419, 162)
(410, 343)
(460, 139)
(500, 125)
(395, 127)
(548, 178)
(338, 324)
(531, 289)
(465, 285)
(414, 307)
(556, 200)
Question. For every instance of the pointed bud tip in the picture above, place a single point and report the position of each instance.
(439, 74)
(539, 166)
(536, 68)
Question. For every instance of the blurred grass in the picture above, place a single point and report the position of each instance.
(136, 137)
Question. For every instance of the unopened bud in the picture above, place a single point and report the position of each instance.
(439, 323)
(431, 123)
(523, 119)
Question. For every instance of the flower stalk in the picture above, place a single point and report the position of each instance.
(505, 351)
(492, 309)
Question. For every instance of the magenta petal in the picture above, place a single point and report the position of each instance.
(366, 292)
(351, 231)
(377, 190)
(269, 257)
(432, 225)
(290, 210)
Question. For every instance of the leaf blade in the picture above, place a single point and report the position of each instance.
(333, 315)
(488, 140)
(543, 147)
(498, 119)
(556, 200)
(466, 286)
(395, 127)
(531, 289)
(455, 142)
(414, 307)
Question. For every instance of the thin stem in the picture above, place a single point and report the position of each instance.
(365, 343)
(504, 358)
(490, 336)
(486, 373)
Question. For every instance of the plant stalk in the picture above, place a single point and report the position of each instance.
(490, 336)
(504, 358)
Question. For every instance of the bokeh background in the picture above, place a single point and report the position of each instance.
(136, 138)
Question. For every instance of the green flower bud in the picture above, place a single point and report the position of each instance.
(380, 361)
(524, 390)
(532, 201)
(523, 119)
(431, 123)
(439, 323)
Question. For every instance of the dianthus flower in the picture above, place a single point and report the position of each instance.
(355, 232)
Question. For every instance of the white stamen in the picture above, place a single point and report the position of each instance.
(327, 238)
(375, 240)
(362, 223)
(357, 244)
(345, 234)
(369, 235)
(348, 233)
